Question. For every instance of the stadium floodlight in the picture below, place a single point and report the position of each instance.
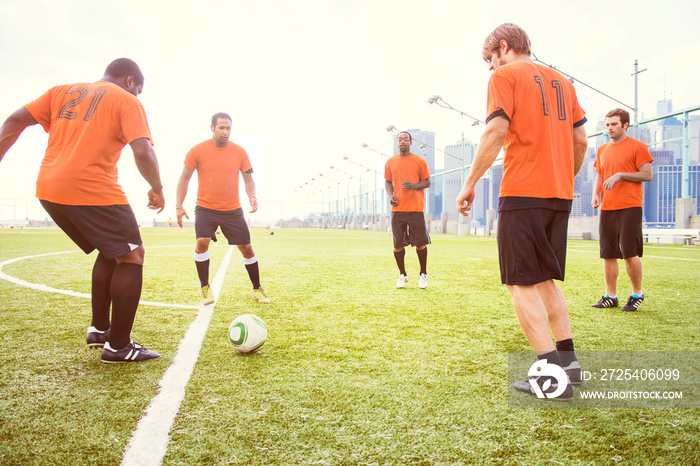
(391, 128)
(440, 102)
(367, 146)
(356, 163)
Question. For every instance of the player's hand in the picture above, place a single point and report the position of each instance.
(253, 204)
(181, 212)
(465, 200)
(610, 182)
(156, 200)
(393, 201)
(408, 186)
(595, 202)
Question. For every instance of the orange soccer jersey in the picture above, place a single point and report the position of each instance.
(88, 124)
(626, 156)
(217, 173)
(542, 107)
(410, 168)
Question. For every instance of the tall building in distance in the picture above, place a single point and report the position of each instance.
(457, 156)
(694, 143)
(667, 150)
(662, 191)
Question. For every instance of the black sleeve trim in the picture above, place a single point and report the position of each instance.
(497, 113)
(580, 123)
(249, 171)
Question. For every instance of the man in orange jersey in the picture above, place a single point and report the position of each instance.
(88, 125)
(533, 113)
(406, 176)
(622, 165)
(218, 162)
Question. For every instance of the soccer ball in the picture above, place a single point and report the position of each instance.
(247, 333)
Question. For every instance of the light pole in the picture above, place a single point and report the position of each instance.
(381, 197)
(348, 177)
(374, 195)
(366, 146)
(440, 102)
(329, 186)
(337, 217)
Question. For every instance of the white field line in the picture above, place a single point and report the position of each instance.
(149, 442)
(77, 294)
(645, 255)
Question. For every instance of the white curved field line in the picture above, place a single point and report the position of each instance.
(50, 289)
(149, 442)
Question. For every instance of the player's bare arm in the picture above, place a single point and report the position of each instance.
(644, 173)
(597, 187)
(389, 186)
(147, 164)
(489, 146)
(408, 186)
(13, 127)
(250, 190)
(580, 147)
(181, 193)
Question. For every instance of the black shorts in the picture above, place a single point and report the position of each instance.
(620, 233)
(232, 223)
(532, 245)
(408, 228)
(111, 229)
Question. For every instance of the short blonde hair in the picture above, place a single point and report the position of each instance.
(516, 38)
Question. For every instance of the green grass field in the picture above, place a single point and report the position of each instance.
(353, 372)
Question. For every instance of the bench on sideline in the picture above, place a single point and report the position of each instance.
(688, 235)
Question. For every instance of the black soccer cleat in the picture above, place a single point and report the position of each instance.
(606, 301)
(133, 352)
(633, 303)
(526, 387)
(573, 371)
(97, 338)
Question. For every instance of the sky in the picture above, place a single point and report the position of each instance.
(308, 82)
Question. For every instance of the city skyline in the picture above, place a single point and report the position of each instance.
(659, 194)
(306, 89)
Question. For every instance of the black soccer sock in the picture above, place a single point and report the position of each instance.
(565, 349)
(399, 256)
(552, 358)
(251, 266)
(201, 260)
(423, 259)
(102, 273)
(126, 292)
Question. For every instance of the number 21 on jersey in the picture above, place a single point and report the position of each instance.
(67, 109)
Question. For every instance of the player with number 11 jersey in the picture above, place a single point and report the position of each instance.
(542, 107)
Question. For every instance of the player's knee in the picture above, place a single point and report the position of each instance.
(246, 250)
(202, 245)
(136, 256)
